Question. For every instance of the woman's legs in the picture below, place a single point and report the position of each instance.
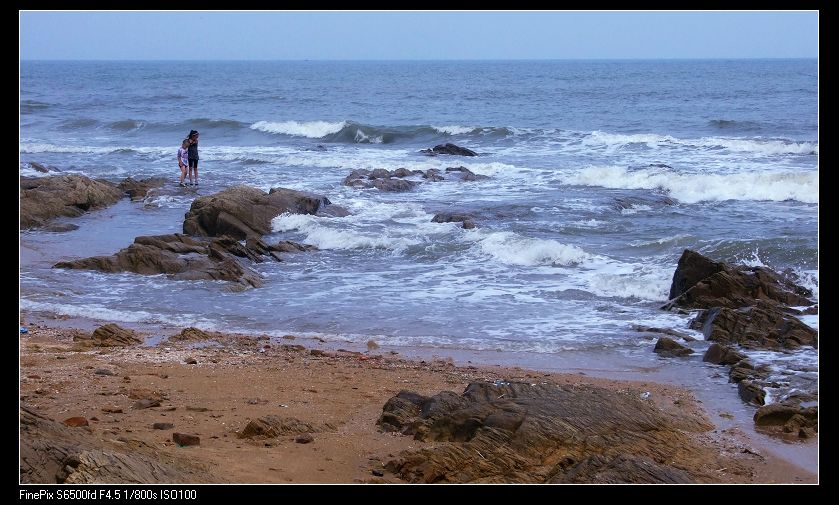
(193, 171)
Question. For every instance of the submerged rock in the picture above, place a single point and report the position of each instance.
(449, 148)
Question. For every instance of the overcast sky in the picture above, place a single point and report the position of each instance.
(271, 35)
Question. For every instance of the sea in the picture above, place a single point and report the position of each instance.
(600, 173)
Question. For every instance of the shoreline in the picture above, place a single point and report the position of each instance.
(255, 380)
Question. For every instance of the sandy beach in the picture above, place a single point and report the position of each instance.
(213, 388)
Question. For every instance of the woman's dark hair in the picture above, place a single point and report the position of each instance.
(192, 133)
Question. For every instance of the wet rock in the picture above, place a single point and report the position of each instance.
(433, 175)
(179, 256)
(751, 392)
(289, 246)
(699, 282)
(60, 227)
(109, 335)
(762, 326)
(138, 189)
(242, 211)
(777, 419)
(44, 198)
(521, 432)
(447, 217)
(669, 347)
(722, 355)
(466, 175)
(449, 148)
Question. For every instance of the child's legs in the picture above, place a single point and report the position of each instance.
(183, 173)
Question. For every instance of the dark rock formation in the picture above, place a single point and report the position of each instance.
(520, 432)
(43, 198)
(275, 426)
(800, 422)
(466, 174)
(381, 179)
(449, 148)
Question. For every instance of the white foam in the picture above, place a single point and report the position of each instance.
(761, 146)
(102, 313)
(753, 145)
(775, 185)
(454, 129)
(513, 249)
(310, 129)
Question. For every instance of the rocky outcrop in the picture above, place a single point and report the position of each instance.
(179, 256)
(109, 335)
(447, 217)
(760, 326)
(52, 453)
(44, 198)
(138, 189)
(449, 148)
(700, 283)
(243, 212)
(521, 432)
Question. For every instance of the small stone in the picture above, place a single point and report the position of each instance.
(103, 371)
(184, 439)
(162, 426)
(377, 473)
(75, 422)
(191, 361)
(305, 438)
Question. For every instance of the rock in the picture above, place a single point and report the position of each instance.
(446, 217)
(701, 283)
(138, 189)
(179, 256)
(669, 347)
(273, 426)
(289, 246)
(184, 439)
(722, 355)
(75, 422)
(305, 438)
(762, 326)
(162, 426)
(109, 335)
(145, 403)
(191, 335)
(449, 148)
(242, 211)
(666, 331)
(751, 392)
(60, 227)
(191, 361)
(52, 453)
(778, 419)
(104, 371)
(522, 432)
(432, 175)
(466, 175)
(44, 198)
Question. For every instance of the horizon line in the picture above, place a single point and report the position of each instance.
(439, 59)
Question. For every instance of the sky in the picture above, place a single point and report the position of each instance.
(441, 35)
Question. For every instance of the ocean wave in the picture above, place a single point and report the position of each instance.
(323, 236)
(32, 106)
(127, 125)
(758, 145)
(310, 129)
(692, 188)
(730, 124)
(513, 249)
(455, 129)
